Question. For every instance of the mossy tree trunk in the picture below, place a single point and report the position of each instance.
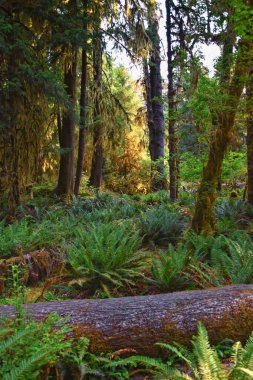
(173, 141)
(67, 138)
(158, 174)
(150, 121)
(13, 102)
(249, 94)
(140, 322)
(83, 102)
(98, 131)
(203, 220)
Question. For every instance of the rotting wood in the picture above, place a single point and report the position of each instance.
(140, 322)
(38, 265)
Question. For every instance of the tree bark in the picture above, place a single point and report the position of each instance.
(67, 139)
(158, 180)
(150, 120)
(173, 167)
(11, 134)
(81, 140)
(140, 322)
(203, 220)
(249, 120)
(97, 158)
(83, 104)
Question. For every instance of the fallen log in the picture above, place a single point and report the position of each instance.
(139, 322)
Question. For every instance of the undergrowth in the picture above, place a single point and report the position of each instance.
(107, 255)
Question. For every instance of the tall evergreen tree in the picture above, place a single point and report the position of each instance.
(67, 132)
(173, 169)
(249, 122)
(155, 114)
(98, 129)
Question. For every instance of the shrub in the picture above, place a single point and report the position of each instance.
(159, 197)
(13, 237)
(28, 348)
(107, 255)
(202, 363)
(104, 208)
(235, 260)
(220, 260)
(231, 209)
(161, 226)
(167, 268)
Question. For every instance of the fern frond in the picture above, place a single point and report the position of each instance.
(10, 342)
(25, 366)
(209, 364)
(248, 372)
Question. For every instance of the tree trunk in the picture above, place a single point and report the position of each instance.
(81, 141)
(173, 167)
(11, 134)
(158, 175)
(249, 94)
(67, 139)
(203, 216)
(140, 322)
(97, 158)
(150, 120)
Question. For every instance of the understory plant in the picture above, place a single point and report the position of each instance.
(28, 349)
(232, 214)
(235, 260)
(221, 260)
(161, 226)
(168, 266)
(107, 255)
(200, 363)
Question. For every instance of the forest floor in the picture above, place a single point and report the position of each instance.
(109, 245)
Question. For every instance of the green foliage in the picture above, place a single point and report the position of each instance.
(107, 255)
(156, 198)
(220, 260)
(233, 258)
(87, 364)
(161, 226)
(104, 207)
(25, 235)
(187, 199)
(231, 209)
(199, 245)
(203, 362)
(14, 236)
(224, 348)
(167, 268)
(191, 167)
(27, 347)
(234, 166)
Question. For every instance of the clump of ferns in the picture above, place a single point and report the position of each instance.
(161, 225)
(107, 256)
(28, 349)
(220, 260)
(168, 268)
(200, 363)
(232, 209)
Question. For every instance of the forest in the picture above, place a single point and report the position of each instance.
(126, 189)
